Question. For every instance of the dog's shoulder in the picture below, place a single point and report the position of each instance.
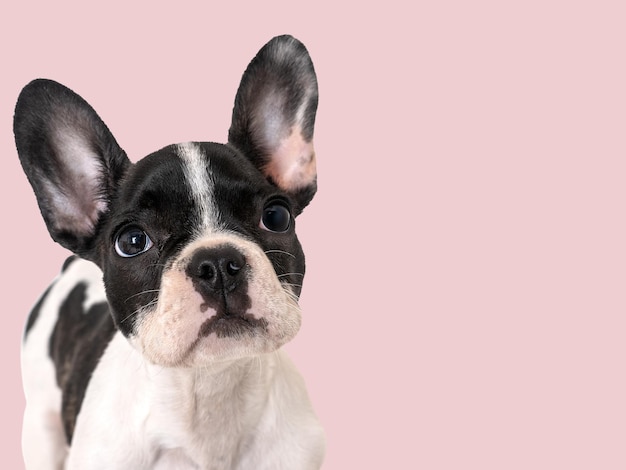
(71, 320)
(78, 279)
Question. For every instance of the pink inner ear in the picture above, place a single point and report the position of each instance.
(292, 165)
(76, 199)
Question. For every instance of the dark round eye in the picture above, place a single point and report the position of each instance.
(132, 241)
(276, 218)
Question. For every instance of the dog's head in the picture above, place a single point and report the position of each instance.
(196, 241)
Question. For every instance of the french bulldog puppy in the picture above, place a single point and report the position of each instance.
(159, 344)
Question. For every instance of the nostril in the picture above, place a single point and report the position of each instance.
(231, 261)
(206, 270)
(233, 268)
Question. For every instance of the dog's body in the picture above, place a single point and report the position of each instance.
(179, 365)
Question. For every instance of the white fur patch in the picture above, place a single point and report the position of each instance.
(198, 174)
(250, 413)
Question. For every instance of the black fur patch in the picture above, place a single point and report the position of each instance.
(77, 343)
(34, 313)
(68, 262)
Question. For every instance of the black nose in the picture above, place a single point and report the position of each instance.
(217, 269)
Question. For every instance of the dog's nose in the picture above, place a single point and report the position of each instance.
(218, 269)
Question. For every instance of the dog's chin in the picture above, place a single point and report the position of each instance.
(211, 350)
(217, 339)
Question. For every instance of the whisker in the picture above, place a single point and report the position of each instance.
(135, 312)
(291, 300)
(280, 251)
(141, 293)
(290, 274)
(291, 284)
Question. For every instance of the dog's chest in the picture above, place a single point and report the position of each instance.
(170, 418)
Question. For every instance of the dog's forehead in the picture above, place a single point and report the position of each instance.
(193, 167)
(195, 182)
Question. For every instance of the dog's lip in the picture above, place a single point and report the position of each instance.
(227, 327)
(225, 324)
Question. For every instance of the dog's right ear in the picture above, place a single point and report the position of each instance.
(71, 159)
(274, 117)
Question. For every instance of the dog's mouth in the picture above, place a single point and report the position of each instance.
(229, 327)
(226, 325)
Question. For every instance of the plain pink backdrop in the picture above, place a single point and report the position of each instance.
(465, 302)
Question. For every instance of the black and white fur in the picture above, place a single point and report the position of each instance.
(178, 365)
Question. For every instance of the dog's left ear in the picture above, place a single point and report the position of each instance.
(71, 159)
(274, 117)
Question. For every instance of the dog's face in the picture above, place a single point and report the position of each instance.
(196, 241)
(204, 260)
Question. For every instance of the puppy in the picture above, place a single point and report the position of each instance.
(158, 346)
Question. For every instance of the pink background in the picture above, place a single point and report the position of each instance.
(465, 299)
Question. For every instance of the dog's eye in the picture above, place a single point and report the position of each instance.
(276, 217)
(132, 241)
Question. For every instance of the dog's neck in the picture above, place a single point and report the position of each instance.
(224, 382)
(180, 404)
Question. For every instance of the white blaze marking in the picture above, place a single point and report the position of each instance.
(198, 175)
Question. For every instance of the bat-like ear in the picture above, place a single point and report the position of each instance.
(274, 117)
(71, 159)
